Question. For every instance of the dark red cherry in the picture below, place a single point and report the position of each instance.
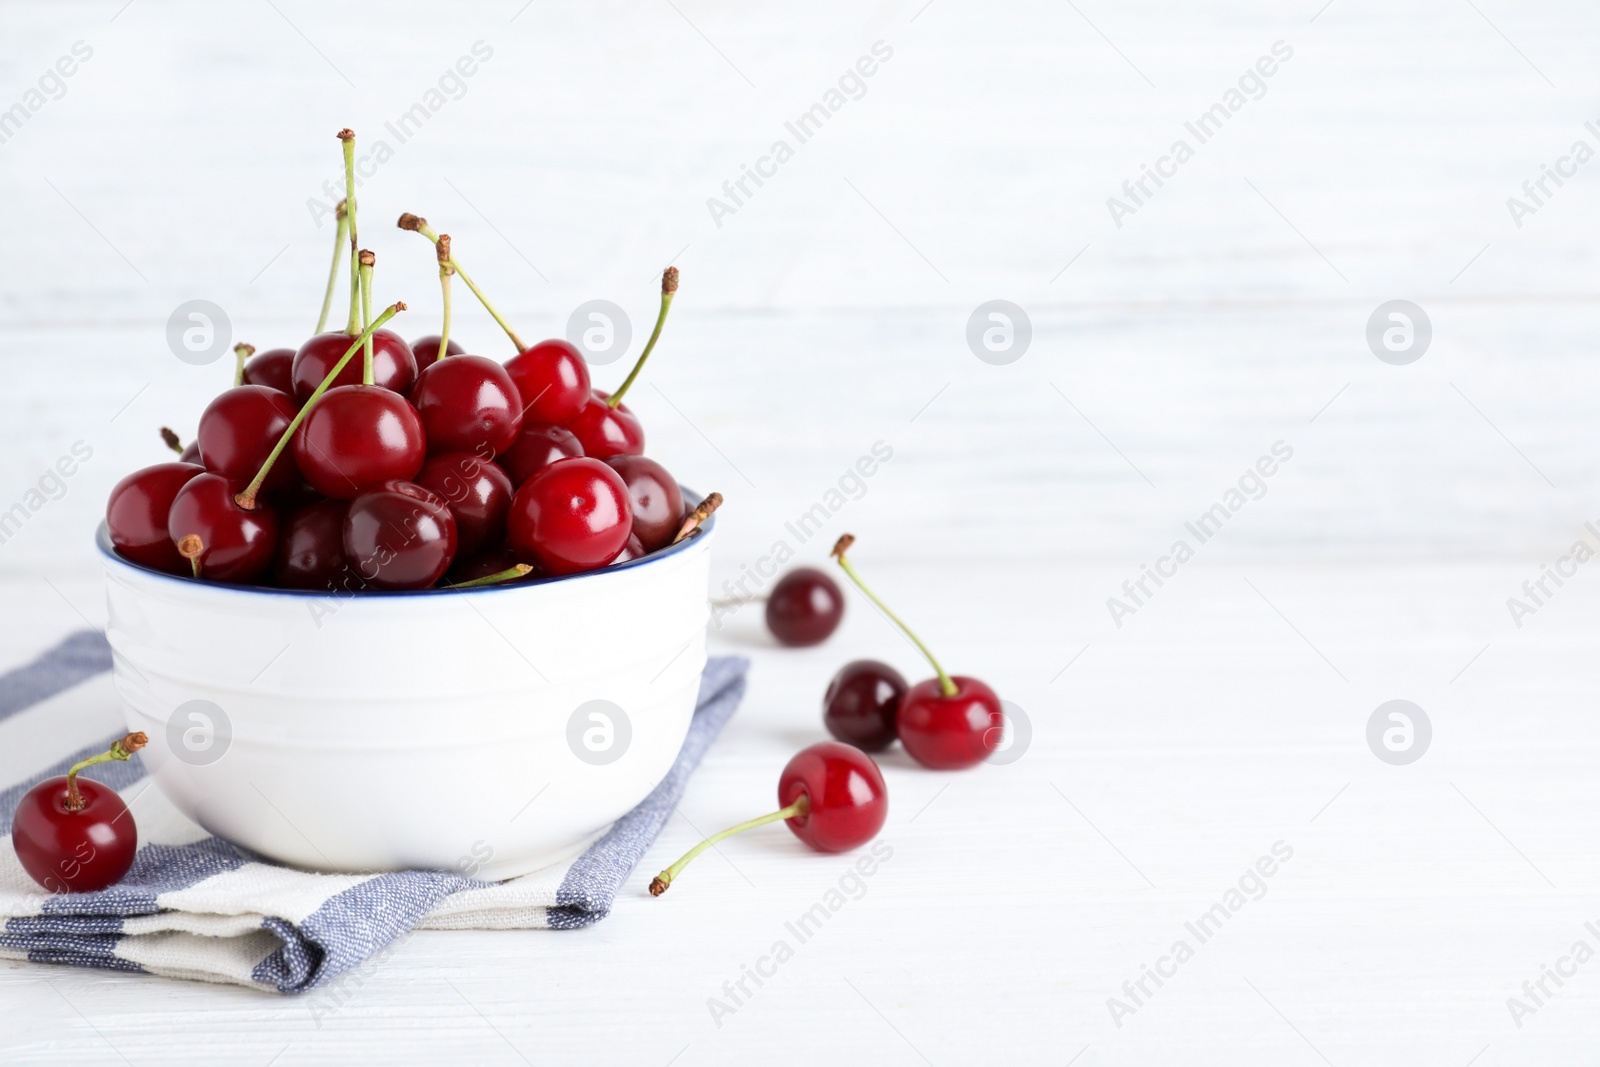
(536, 447)
(398, 535)
(393, 365)
(552, 379)
(572, 516)
(804, 608)
(631, 551)
(136, 515)
(861, 702)
(494, 561)
(229, 543)
(311, 549)
(949, 732)
(426, 350)
(240, 428)
(478, 494)
(467, 404)
(657, 501)
(357, 436)
(604, 431)
(75, 835)
(191, 454)
(273, 368)
(832, 797)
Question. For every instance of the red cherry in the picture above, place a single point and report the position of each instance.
(399, 535)
(553, 380)
(468, 404)
(484, 564)
(604, 431)
(393, 365)
(75, 835)
(572, 516)
(222, 541)
(948, 731)
(804, 607)
(311, 549)
(536, 447)
(426, 350)
(657, 501)
(861, 702)
(240, 428)
(273, 368)
(136, 515)
(832, 796)
(191, 454)
(478, 494)
(357, 436)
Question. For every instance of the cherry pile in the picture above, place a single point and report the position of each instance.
(358, 461)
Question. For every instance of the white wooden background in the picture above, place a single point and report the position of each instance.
(827, 314)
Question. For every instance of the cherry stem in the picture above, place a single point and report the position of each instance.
(241, 352)
(946, 686)
(120, 749)
(499, 576)
(445, 270)
(189, 547)
(669, 286)
(736, 601)
(368, 260)
(408, 221)
(172, 440)
(702, 511)
(353, 326)
(333, 271)
(663, 880)
(247, 498)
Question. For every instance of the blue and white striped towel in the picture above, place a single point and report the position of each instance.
(194, 906)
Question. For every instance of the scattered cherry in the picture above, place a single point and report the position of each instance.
(356, 437)
(273, 368)
(468, 404)
(77, 836)
(572, 516)
(136, 515)
(238, 430)
(536, 447)
(804, 607)
(478, 494)
(425, 350)
(553, 380)
(398, 535)
(832, 797)
(657, 501)
(948, 722)
(311, 549)
(222, 541)
(861, 704)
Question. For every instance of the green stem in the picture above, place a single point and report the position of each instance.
(354, 325)
(241, 352)
(121, 749)
(445, 270)
(367, 262)
(247, 498)
(500, 576)
(333, 271)
(669, 286)
(664, 879)
(409, 221)
(946, 686)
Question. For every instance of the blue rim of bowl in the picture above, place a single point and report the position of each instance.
(102, 540)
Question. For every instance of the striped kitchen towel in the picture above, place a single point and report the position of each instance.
(194, 906)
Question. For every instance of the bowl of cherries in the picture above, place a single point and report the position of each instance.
(397, 604)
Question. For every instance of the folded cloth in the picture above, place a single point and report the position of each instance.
(195, 906)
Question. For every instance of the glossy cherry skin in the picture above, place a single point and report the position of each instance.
(74, 851)
(553, 380)
(631, 551)
(605, 432)
(804, 608)
(425, 350)
(536, 447)
(478, 494)
(237, 544)
(357, 436)
(572, 516)
(467, 404)
(948, 733)
(848, 799)
(657, 501)
(273, 368)
(398, 535)
(241, 427)
(191, 454)
(393, 365)
(136, 515)
(861, 704)
(484, 564)
(311, 549)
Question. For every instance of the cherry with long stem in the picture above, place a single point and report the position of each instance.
(669, 288)
(418, 224)
(247, 498)
(661, 882)
(333, 271)
(946, 686)
(121, 749)
(241, 353)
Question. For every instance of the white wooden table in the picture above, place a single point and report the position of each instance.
(1228, 713)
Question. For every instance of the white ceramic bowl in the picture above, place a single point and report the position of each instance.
(454, 730)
